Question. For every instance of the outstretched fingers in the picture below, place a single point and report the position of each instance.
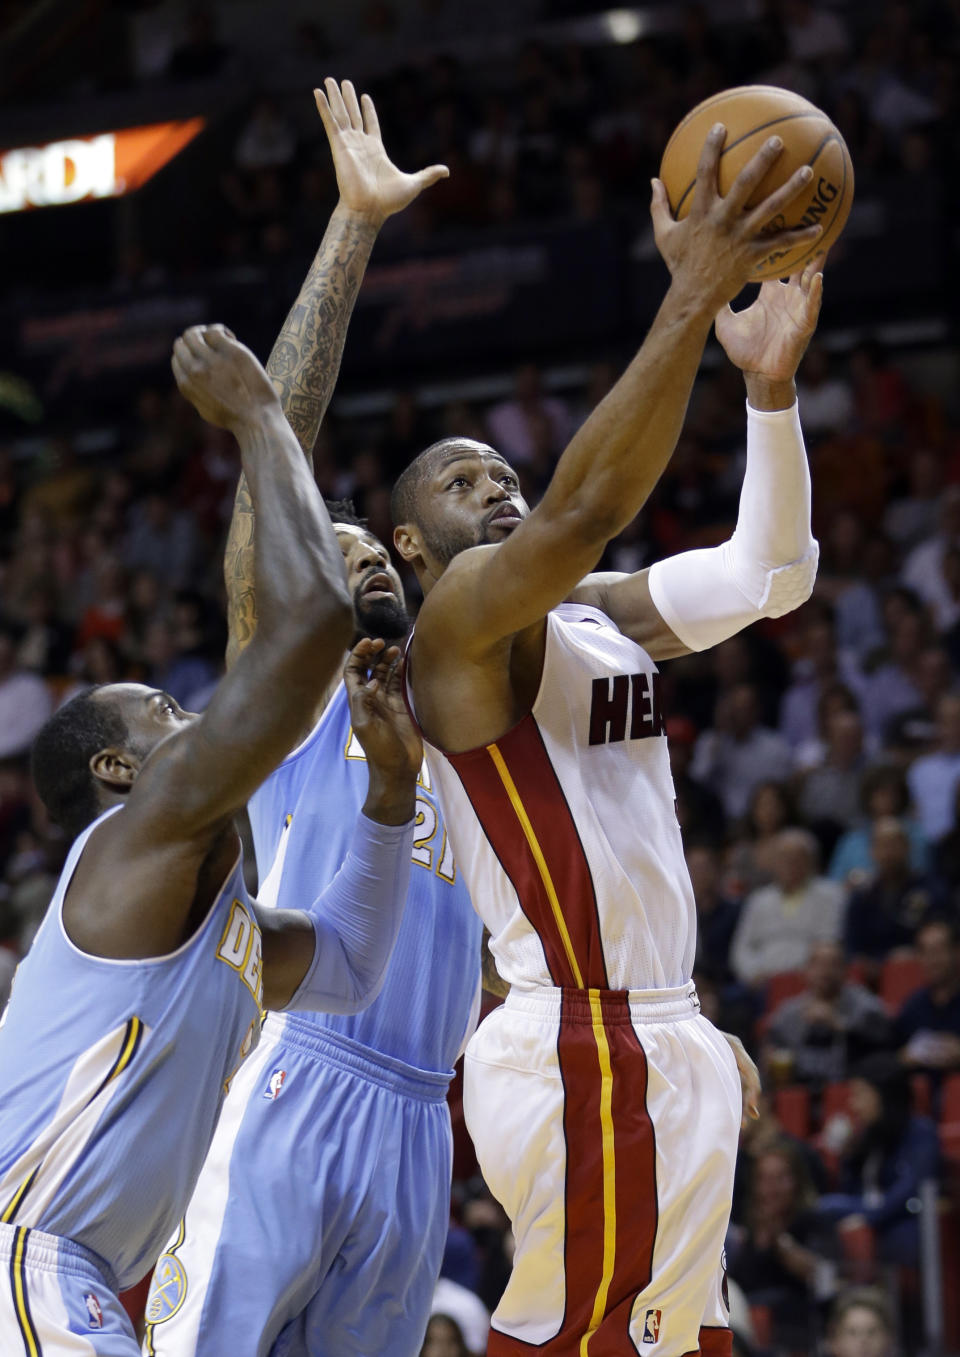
(338, 108)
(773, 205)
(371, 123)
(707, 191)
(352, 105)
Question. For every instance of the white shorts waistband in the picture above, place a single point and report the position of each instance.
(620, 1005)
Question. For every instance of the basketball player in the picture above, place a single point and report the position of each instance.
(319, 1220)
(143, 990)
(604, 1110)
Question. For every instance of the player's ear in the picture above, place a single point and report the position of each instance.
(115, 768)
(406, 539)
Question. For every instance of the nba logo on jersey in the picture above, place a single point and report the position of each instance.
(275, 1084)
(651, 1326)
(94, 1313)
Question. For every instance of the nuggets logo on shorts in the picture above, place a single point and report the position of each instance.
(275, 1085)
(651, 1326)
(168, 1289)
(94, 1312)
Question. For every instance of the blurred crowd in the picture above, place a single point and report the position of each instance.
(816, 758)
(816, 761)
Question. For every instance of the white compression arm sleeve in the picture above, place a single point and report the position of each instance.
(768, 566)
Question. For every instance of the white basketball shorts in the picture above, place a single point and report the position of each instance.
(606, 1123)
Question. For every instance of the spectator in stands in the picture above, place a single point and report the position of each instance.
(841, 579)
(444, 1338)
(44, 645)
(946, 851)
(780, 922)
(698, 810)
(911, 518)
(933, 778)
(200, 56)
(889, 1153)
(829, 799)
(861, 1324)
(828, 1027)
(835, 697)
(25, 701)
(770, 1253)
(914, 730)
(752, 855)
(883, 792)
(923, 569)
(717, 915)
(927, 1028)
(268, 141)
(465, 1307)
(825, 396)
(739, 752)
(818, 668)
(516, 425)
(883, 915)
(892, 688)
(162, 539)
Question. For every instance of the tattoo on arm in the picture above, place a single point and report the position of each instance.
(303, 364)
(305, 360)
(238, 575)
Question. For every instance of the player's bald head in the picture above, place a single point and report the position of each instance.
(405, 498)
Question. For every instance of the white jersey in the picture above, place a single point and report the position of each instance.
(565, 828)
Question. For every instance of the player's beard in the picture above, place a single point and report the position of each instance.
(445, 544)
(385, 618)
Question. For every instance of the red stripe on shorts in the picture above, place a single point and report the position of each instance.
(523, 752)
(634, 1169)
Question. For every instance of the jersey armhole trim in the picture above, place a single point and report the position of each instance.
(184, 947)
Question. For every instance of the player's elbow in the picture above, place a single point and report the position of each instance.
(364, 990)
(792, 584)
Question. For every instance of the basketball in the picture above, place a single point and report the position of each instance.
(752, 114)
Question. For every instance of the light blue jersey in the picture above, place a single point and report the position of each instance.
(320, 1218)
(113, 1074)
(302, 818)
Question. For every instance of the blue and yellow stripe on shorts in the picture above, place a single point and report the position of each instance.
(18, 1288)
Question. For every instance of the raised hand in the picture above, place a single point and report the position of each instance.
(770, 337)
(369, 182)
(221, 378)
(712, 253)
(378, 712)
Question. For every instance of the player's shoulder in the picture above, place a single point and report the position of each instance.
(446, 610)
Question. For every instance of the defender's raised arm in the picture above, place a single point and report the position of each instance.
(305, 360)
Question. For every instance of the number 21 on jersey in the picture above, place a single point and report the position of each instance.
(426, 852)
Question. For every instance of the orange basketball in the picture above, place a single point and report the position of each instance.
(751, 114)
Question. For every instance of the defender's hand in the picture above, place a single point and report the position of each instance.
(370, 184)
(714, 250)
(221, 378)
(769, 338)
(387, 736)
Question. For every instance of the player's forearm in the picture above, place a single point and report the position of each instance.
(305, 360)
(304, 364)
(356, 920)
(298, 564)
(391, 796)
(616, 458)
(238, 566)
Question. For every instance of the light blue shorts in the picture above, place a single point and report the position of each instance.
(55, 1297)
(319, 1220)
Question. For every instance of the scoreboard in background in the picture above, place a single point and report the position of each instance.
(82, 169)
